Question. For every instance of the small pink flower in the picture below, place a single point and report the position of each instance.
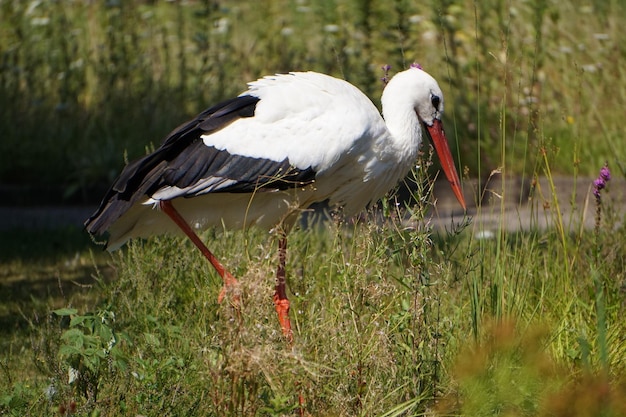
(605, 174)
(600, 182)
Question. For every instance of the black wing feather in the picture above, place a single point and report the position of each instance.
(183, 160)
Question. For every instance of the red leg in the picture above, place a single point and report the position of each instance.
(282, 303)
(280, 296)
(229, 280)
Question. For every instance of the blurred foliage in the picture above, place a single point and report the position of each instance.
(509, 373)
(85, 84)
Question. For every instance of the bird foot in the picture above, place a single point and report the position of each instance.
(282, 308)
(231, 287)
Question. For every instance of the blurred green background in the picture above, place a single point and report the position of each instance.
(85, 85)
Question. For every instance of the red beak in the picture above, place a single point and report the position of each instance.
(438, 138)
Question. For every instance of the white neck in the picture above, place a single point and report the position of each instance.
(401, 120)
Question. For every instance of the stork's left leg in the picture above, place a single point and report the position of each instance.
(229, 280)
(280, 296)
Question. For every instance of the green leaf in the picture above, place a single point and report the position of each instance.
(106, 334)
(69, 350)
(76, 320)
(73, 337)
(152, 339)
(120, 362)
(65, 311)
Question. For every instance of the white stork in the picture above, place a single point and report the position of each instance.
(260, 158)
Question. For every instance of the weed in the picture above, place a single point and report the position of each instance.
(90, 350)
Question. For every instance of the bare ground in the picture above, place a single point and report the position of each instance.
(514, 205)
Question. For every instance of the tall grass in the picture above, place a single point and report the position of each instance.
(390, 319)
(391, 316)
(84, 82)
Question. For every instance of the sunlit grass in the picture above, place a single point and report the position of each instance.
(391, 317)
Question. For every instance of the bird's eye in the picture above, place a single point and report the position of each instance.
(435, 101)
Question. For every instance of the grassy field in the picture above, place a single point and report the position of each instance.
(391, 318)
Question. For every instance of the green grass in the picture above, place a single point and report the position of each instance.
(391, 317)
(42, 270)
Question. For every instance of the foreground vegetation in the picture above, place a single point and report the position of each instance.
(391, 316)
(390, 319)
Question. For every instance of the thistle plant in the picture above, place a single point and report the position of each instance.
(598, 185)
(600, 182)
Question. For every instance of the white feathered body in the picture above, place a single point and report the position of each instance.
(314, 121)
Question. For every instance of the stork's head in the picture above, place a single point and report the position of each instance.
(416, 91)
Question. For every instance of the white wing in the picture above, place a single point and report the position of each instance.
(308, 118)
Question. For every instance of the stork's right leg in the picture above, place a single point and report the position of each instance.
(280, 296)
(229, 280)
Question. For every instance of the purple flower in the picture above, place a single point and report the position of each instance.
(416, 65)
(598, 185)
(605, 174)
(600, 182)
(386, 69)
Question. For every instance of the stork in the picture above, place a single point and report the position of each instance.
(258, 159)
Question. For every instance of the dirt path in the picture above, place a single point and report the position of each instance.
(513, 206)
(575, 208)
